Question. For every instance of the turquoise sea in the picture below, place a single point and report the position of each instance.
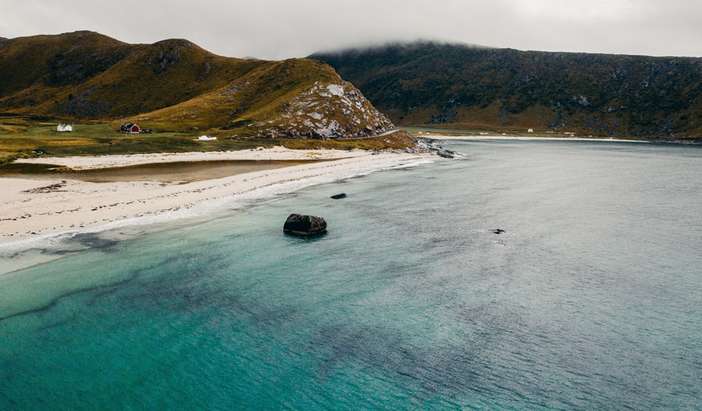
(591, 299)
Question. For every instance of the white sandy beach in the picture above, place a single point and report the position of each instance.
(274, 153)
(32, 210)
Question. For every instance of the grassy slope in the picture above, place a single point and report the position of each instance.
(56, 60)
(19, 137)
(283, 98)
(173, 86)
(501, 89)
(170, 85)
(87, 75)
(256, 96)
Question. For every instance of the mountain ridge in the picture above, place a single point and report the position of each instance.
(176, 85)
(448, 85)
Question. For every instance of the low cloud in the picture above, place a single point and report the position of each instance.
(284, 28)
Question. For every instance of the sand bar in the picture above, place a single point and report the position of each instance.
(178, 172)
(126, 160)
(32, 210)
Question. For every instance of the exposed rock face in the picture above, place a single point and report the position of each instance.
(429, 146)
(331, 110)
(169, 54)
(445, 153)
(304, 225)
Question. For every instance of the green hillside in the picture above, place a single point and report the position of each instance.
(174, 85)
(462, 87)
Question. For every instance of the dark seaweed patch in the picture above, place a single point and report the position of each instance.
(95, 241)
(99, 289)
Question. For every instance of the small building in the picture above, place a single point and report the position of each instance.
(64, 128)
(531, 130)
(130, 128)
(206, 138)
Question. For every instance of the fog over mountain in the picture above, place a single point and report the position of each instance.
(279, 29)
(455, 86)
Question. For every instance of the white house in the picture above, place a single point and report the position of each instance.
(531, 130)
(206, 138)
(64, 128)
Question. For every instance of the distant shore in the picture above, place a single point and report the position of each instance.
(528, 138)
(33, 210)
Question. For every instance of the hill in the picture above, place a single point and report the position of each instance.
(457, 86)
(174, 85)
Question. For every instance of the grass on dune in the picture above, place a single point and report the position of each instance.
(24, 138)
(34, 139)
(396, 141)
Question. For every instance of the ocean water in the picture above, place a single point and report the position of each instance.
(591, 299)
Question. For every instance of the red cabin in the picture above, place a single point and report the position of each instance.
(130, 128)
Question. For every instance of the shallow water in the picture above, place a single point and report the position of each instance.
(590, 299)
(180, 171)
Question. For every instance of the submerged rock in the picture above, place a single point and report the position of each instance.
(304, 225)
(498, 231)
(338, 196)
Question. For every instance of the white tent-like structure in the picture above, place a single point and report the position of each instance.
(64, 128)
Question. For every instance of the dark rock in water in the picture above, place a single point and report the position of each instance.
(446, 153)
(339, 196)
(304, 225)
(498, 231)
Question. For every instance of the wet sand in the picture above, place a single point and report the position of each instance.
(174, 172)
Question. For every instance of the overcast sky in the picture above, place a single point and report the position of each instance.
(279, 28)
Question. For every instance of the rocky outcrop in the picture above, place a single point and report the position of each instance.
(446, 153)
(430, 146)
(330, 110)
(304, 225)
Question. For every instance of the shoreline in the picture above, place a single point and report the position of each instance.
(177, 172)
(81, 163)
(528, 138)
(40, 212)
